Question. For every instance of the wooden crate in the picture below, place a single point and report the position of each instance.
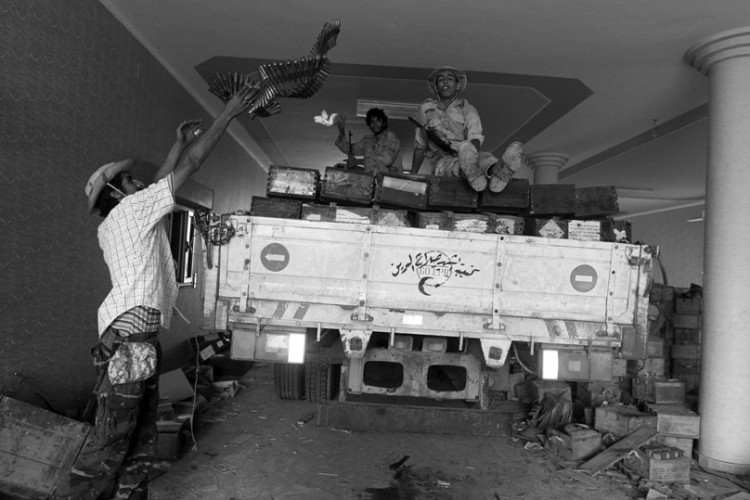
(662, 391)
(512, 200)
(617, 231)
(292, 182)
(686, 320)
(686, 351)
(547, 228)
(471, 223)
(687, 335)
(649, 367)
(688, 305)
(579, 443)
(281, 208)
(506, 224)
(596, 201)
(37, 449)
(684, 444)
(352, 187)
(391, 217)
(401, 191)
(453, 193)
(434, 220)
(673, 470)
(621, 420)
(552, 199)
(676, 420)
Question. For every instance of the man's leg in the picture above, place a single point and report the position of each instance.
(132, 483)
(504, 171)
(107, 443)
(468, 158)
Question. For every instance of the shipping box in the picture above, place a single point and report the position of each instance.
(453, 193)
(353, 187)
(576, 443)
(674, 470)
(401, 191)
(514, 199)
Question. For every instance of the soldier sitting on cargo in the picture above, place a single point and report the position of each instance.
(450, 134)
(134, 241)
(381, 150)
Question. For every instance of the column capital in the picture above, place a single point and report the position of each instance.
(546, 160)
(720, 47)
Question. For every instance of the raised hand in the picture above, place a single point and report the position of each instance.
(243, 99)
(188, 130)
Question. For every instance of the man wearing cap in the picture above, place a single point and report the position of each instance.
(451, 135)
(136, 250)
(381, 151)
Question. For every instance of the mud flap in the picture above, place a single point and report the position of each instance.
(495, 351)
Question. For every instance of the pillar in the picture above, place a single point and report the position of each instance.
(546, 166)
(724, 406)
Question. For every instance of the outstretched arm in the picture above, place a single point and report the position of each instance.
(194, 157)
(187, 131)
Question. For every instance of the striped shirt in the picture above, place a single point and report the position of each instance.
(140, 319)
(136, 249)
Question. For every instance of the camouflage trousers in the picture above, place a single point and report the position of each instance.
(468, 159)
(121, 445)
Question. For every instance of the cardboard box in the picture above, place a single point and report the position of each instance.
(675, 470)
(281, 208)
(621, 420)
(37, 448)
(401, 191)
(351, 186)
(577, 443)
(453, 193)
(292, 182)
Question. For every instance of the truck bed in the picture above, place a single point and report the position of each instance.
(277, 273)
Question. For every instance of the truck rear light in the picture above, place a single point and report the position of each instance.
(550, 364)
(296, 348)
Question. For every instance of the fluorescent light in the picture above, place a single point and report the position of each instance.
(393, 109)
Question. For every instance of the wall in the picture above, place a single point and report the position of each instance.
(77, 91)
(680, 243)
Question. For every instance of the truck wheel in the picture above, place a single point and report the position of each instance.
(289, 380)
(319, 378)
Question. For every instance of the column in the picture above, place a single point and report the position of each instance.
(724, 406)
(546, 166)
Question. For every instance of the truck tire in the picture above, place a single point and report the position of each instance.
(289, 381)
(319, 378)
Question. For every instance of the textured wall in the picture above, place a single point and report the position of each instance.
(680, 244)
(77, 91)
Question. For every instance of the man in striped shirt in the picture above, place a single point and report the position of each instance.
(136, 250)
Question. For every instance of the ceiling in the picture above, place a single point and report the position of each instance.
(602, 83)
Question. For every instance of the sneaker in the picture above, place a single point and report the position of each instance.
(504, 171)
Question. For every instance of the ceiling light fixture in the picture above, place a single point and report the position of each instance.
(699, 219)
(393, 109)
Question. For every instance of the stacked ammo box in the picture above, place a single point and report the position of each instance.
(686, 348)
(446, 203)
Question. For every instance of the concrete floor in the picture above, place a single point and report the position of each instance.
(254, 446)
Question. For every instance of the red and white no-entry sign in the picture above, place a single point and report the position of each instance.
(274, 257)
(583, 278)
